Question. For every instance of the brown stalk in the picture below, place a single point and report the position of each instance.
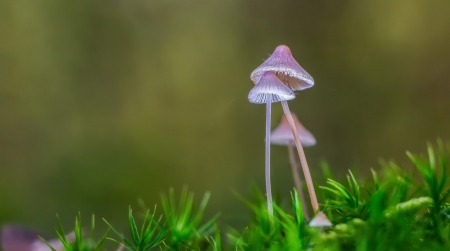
(301, 154)
(297, 180)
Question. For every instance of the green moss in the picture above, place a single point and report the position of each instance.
(395, 210)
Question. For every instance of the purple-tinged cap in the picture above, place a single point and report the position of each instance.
(282, 134)
(16, 238)
(286, 68)
(270, 85)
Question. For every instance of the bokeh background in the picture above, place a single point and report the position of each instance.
(103, 102)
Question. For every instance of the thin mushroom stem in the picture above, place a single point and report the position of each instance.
(301, 154)
(298, 182)
(120, 248)
(268, 185)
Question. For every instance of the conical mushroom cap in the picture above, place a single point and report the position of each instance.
(282, 134)
(320, 220)
(269, 84)
(287, 69)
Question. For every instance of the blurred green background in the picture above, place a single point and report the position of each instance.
(103, 102)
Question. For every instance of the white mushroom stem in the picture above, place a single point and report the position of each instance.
(298, 182)
(120, 248)
(301, 154)
(268, 185)
(269, 89)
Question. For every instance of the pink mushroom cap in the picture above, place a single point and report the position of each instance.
(270, 84)
(286, 68)
(282, 134)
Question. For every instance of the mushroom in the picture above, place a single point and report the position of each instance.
(282, 135)
(320, 220)
(286, 68)
(15, 238)
(283, 64)
(269, 89)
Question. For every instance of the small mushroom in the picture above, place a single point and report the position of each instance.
(286, 68)
(320, 220)
(269, 89)
(15, 238)
(283, 64)
(282, 135)
(18, 239)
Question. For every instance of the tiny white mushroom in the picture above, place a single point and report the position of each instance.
(269, 89)
(320, 220)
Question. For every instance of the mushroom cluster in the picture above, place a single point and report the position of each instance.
(275, 81)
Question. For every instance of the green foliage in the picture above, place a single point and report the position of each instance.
(347, 201)
(216, 241)
(394, 210)
(182, 229)
(150, 236)
(185, 231)
(265, 228)
(79, 243)
(399, 211)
